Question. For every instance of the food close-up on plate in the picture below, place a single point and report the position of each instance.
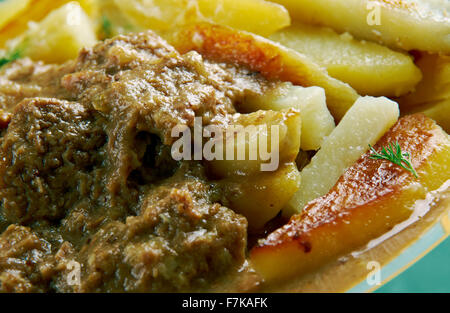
(222, 146)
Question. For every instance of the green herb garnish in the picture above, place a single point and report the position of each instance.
(394, 154)
(106, 27)
(12, 57)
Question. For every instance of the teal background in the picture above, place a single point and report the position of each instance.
(430, 274)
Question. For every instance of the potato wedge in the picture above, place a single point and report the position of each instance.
(35, 12)
(365, 123)
(58, 37)
(317, 121)
(159, 15)
(282, 143)
(9, 9)
(432, 95)
(262, 55)
(435, 85)
(258, 16)
(368, 200)
(413, 24)
(439, 111)
(371, 69)
(261, 197)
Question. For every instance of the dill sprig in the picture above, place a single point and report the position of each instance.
(394, 154)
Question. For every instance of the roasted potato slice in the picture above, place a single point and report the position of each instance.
(262, 55)
(365, 123)
(367, 201)
(317, 121)
(35, 12)
(9, 9)
(432, 95)
(159, 15)
(258, 16)
(413, 24)
(435, 85)
(257, 192)
(282, 143)
(370, 68)
(65, 30)
(438, 111)
(261, 197)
